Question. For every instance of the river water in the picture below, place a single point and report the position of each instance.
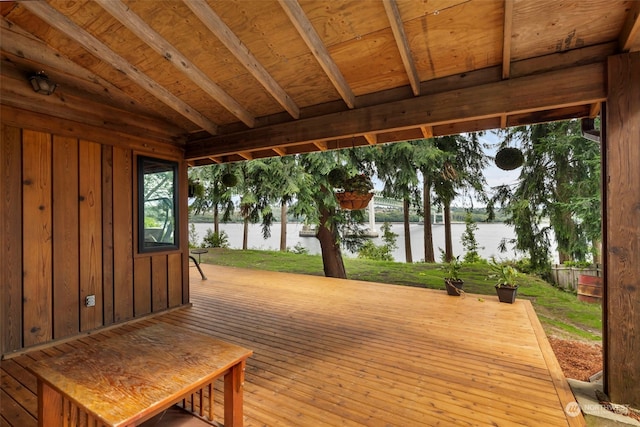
(488, 237)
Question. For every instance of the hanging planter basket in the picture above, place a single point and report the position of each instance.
(353, 201)
(229, 180)
(509, 158)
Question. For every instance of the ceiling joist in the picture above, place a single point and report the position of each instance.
(280, 151)
(100, 50)
(140, 28)
(213, 22)
(506, 38)
(313, 41)
(397, 27)
(631, 29)
(371, 138)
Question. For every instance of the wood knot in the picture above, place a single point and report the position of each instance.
(81, 198)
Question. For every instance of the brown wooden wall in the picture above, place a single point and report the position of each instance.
(68, 227)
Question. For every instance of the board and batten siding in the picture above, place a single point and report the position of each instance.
(68, 224)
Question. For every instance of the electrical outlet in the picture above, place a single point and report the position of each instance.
(90, 301)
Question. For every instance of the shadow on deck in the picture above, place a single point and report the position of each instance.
(331, 352)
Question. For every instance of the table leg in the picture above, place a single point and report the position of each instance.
(233, 387)
(50, 412)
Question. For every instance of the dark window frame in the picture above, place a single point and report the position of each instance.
(145, 164)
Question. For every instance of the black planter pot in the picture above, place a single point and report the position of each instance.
(454, 286)
(507, 293)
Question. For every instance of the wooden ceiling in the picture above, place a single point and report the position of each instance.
(231, 80)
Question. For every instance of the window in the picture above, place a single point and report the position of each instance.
(157, 204)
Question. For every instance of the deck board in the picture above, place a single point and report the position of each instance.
(331, 352)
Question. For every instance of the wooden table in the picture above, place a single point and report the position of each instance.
(124, 380)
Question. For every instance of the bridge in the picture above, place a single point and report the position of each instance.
(378, 201)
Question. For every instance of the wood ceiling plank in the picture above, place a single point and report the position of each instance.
(140, 28)
(313, 41)
(629, 39)
(242, 54)
(100, 50)
(397, 27)
(556, 89)
(506, 39)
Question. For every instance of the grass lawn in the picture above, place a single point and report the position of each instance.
(561, 314)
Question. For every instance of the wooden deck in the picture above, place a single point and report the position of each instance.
(333, 352)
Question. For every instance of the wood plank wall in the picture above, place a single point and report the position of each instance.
(67, 217)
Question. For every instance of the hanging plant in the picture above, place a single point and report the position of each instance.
(354, 192)
(509, 158)
(196, 189)
(229, 180)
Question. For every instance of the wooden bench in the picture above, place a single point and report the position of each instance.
(130, 378)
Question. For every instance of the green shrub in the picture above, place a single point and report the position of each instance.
(215, 240)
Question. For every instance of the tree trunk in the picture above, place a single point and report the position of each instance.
(216, 220)
(283, 226)
(448, 244)
(331, 254)
(429, 256)
(407, 232)
(245, 234)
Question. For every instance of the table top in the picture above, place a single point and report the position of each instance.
(127, 377)
(199, 251)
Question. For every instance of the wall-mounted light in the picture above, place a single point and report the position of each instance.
(41, 83)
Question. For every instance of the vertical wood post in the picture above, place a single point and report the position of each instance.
(621, 196)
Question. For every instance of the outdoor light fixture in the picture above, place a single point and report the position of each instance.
(41, 83)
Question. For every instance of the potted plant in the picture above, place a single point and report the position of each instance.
(196, 189)
(452, 280)
(354, 192)
(506, 275)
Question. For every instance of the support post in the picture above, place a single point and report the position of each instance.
(621, 221)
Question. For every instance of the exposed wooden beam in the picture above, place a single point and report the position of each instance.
(595, 109)
(280, 151)
(104, 53)
(556, 89)
(313, 41)
(371, 138)
(427, 131)
(630, 34)
(321, 145)
(245, 155)
(506, 38)
(213, 22)
(397, 27)
(503, 121)
(140, 28)
(217, 160)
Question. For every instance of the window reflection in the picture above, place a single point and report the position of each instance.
(158, 216)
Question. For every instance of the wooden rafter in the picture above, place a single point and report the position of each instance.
(506, 38)
(397, 28)
(631, 29)
(213, 22)
(371, 138)
(580, 85)
(313, 41)
(427, 131)
(245, 155)
(103, 52)
(280, 151)
(147, 34)
(321, 145)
